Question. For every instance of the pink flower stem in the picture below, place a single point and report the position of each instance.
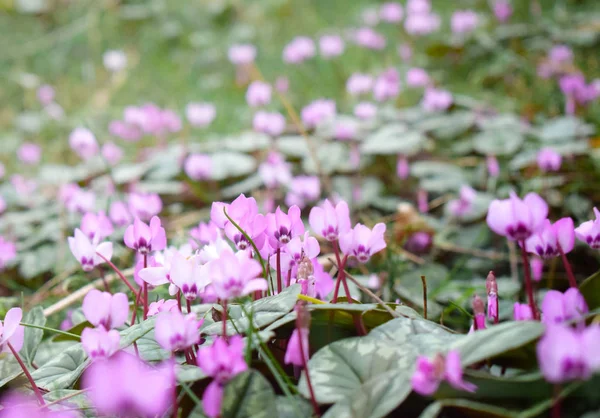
(175, 406)
(278, 270)
(341, 278)
(119, 273)
(224, 318)
(179, 300)
(572, 281)
(289, 278)
(189, 305)
(106, 286)
(135, 306)
(36, 390)
(313, 399)
(528, 284)
(145, 290)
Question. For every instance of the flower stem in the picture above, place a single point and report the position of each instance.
(175, 406)
(341, 278)
(135, 305)
(313, 400)
(36, 390)
(224, 318)
(528, 284)
(572, 281)
(57, 331)
(179, 300)
(189, 305)
(145, 285)
(278, 256)
(119, 273)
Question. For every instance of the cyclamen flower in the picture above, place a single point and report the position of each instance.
(417, 77)
(463, 205)
(17, 405)
(387, 85)
(112, 153)
(45, 94)
(391, 12)
(368, 38)
(8, 252)
(83, 142)
(292, 353)
(242, 207)
(365, 110)
(429, 374)
(119, 214)
(517, 219)
(144, 205)
(317, 112)
(222, 361)
(270, 123)
(104, 309)
(236, 275)
(419, 24)
(114, 60)
(185, 273)
(478, 313)
(464, 21)
(359, 83)
(492, 165)
(29, 153)
(436, 100)
(566, 354)
(241, 54)
(254, 227)
(363, 242)
(549, 160)
(99, 343)
(558, 307)
(145, 239)
(502, 10)
(299, 49)
(88, 252)
(169, 305)
(491, 286)
(589, 231)
(11, 331)
(200, 114)
(298, 248)
(258, 94)
(198, 166)
(96, 225)
(418, 6)
(282, 227)
(302, 190)
(330, 221)
(176, 332)
(522, 312)
(550, 239)
(125, 386)
(205, 233)
(331, 46)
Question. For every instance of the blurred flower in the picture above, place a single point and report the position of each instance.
(258, 94)
(537, 268)
(303, 190)
(558, 307)
(522, 312)
(502, 10)
(387, 85)
(18, 405)
(517, 219)
(317, 112)
(125, 386)
(200, 114)
(345, 132)
(417, 77)
(29, 153)
(589, 231)
(83, 142)
(549, 160)
(547, 240)
(292, 353)
(566, 354)
(54, 111)
(464, 21)
(100, 343)
(96, 225)
(144, 205)
(87, 251)
(422, 201)
(198, 166)
(430, 373)
(112, 153)
(560, 54)
(240, 54)
(370, 16)
(492, 165)
(478, 313)
(275, 171)
(119, 214)
(418, 6)
(298, 50)
(365, 110)
(282, 84)
(419, 242)
(176, 332)
(368, 38)
(359, 83)
(205, 232)
(464, 203)
(11, 331)
(331, 46)
(8, 252)
(330, 221)
(270, 123)
(405, 52)
(77, 199)
(419, 24)
(146, 238)
(362, 242)
(491, 285)
(104, 309)
(125, 131)
(45, 94)
(391, 12)
(169, 305)
(436, 100)
(114, 60)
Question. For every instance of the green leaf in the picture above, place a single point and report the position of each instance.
(498, 142)
(33, 336)
(590, 289)
(77, 330)
(75, 399)
(63, 371)
(465, 407)
(187, 373)
(249, 395)
(293, 407)
(393, 140)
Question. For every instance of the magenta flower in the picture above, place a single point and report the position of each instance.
(241, 54)
(169, 305)
(222, 361)
(200, 115)
(419, 243)
(566, 354)
(145, 239)
(522, 312)
(549, 160)
(417, 77)
(205, 233)
(537, 268)
(112, 153)
(589, 231)
(270, 123)
(84, 143)
(299, 49)
(104, 309)
(365, 111)
(198, 166)
(317, 112)
(478, 313)
(88, 252)
(464, 21)
(125, 386)
(491, 285)
(463, 205)
(8, 252)
(99, 343)
(29, 153)
(387, 85)
(303, 190)
(429, 374)
(236, 275)
(331, 46)
(12, 331)
(517, 219)
(330, 221)
(359, 83)
(362, 242)
(492, 165)
(18, 405)
(391, 12)
(176, 332)
(292, 353)
(144, 205)
(558, 307)
(96, 225)
(275, 171)
(551, 238)
(368, 38)
(254, 227)
(119, 214)
(242, 207)
(435, 100)
(502, 10)
(258, 94)
(282, 227)
(45, 94)
(185, 272)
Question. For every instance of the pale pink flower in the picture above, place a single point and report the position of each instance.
(292, 353)
(368, 38)
(517, 219)
(365, 110)
(119, 214)
(418, 6)
(387, 85)
(551, 238)
(362, 242)
(8, 252)
(464, 21)
(303, 190)
(84, 143)
(359, 83)
(45, 94)
(558, 307)
(175, 332)
(88, 252)
(169, 305)
(96, 225)
(298, 50)
(241, 54)
(105, 309)
(435, 100)
(463, 205)
(330, 221)
(492, 165)
(99, 343)
(331, 46)
(391, 12)
(29, 153)
(549, 160)
(205, 232)
(11, 331)
(146, 238)
(144, 205)
(589, 231)
(236, 275)
(186, 273)
(522, 312)
(317, 112)
(502, 10)
(258, 94)
(275, 171)
(429, 374)
(200, 114)
(112, 153)
(417, 77)
(198, 166)
(270, 123)
(421, 24)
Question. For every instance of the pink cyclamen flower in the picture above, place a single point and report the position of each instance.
(29, 153)
(144, 205)
(464, 204)
(205, 232)
(430, 373)
(275, 171)
(491, 285)
(331, 46)
(502, 10)
(222, 361)
(126, 131)
(589, 231)
(299, 49)
(17, 405)
(241, 54)
(417, 77)
(8, 252)
(368, 38)
(464, 21)
(96, 225)
(242, 207)
(176, 332)
(418, 6)
(493, 167)
(282, 227)
(517, 219)
(558, 307)
(104, 309)
(292, 353)
(303, 190)
(198, 166)
(169, 305)
(478, 313)
(550, 239)
(405, 52)
(119, 214)
(258, 94)
(359, 83)
(83, 142)
(365, 110)
(270, 123)
(420, 24)
(362, 242)
(88, 252)
(236, 275)
(391, 12)
(296, 250)
(435, 100)
(549, 160)
(419, 243)
(387, 85)
(185, 272)
(45, 94)
(560, 54)
(537, 268)
(11, 331)
(99, 343)
(566, 353)
(146, 238)
(125, 386)
(317, 112)
(112, 153)
(200, 114)
(330, 221)
(522, 312)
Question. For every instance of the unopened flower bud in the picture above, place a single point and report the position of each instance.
(479, 313)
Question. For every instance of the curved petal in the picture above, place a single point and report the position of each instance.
(159, 241)
(347, 242)
(377, 240)
(254, 285)
(590, 341)
(553, 307)
(104, 248)
(316, 220)
(119, 310)
(499, 216)
(311, 247)
(12, 321)
(17, 338)
(154, 275)
(129, 237)
(96, 306)
(343, 217)
(565, 234)
(538, 209)
(212, 399)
